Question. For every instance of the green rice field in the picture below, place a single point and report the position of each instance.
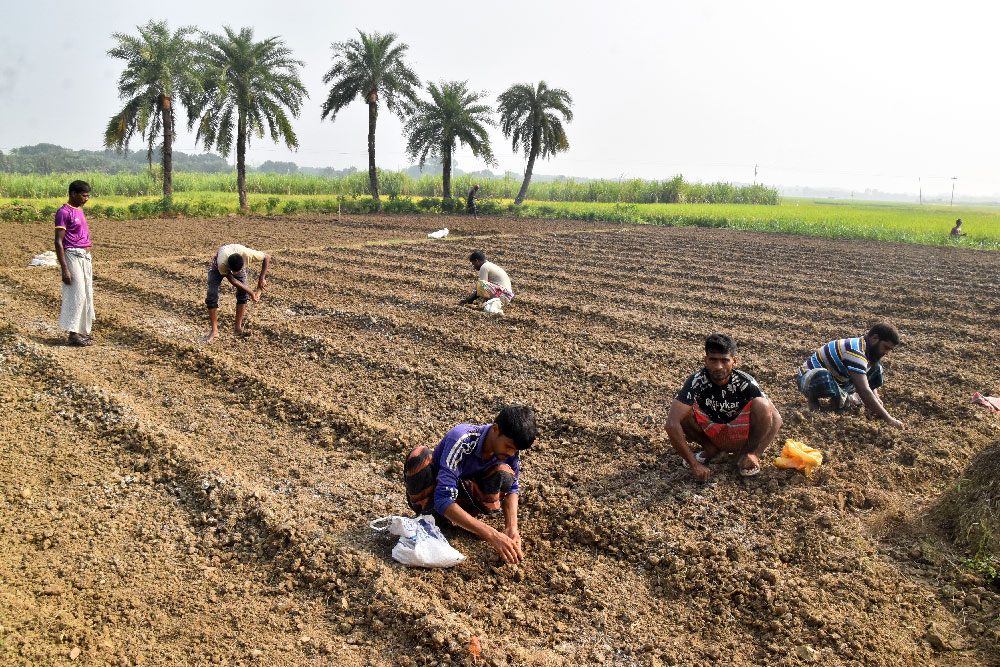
(909, 223)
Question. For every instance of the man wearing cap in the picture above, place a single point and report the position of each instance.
(230, 262)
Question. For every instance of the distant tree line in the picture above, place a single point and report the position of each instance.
(235, 88)
(52, 159)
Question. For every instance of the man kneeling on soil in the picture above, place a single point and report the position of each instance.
(230, 262)
(473, 471)
(493, 281)
(848, 372)
(724, 410)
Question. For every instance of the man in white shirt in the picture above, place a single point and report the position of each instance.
(230, 262)
(493, 281)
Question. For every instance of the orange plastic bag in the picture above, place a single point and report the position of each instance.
(799, 456)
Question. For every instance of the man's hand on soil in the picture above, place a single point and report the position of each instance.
(515, 535)
(700, 471)
(895, 422)
(508, 549)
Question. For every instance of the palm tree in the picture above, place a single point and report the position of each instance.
(452, 116)
(363, 69)
(248, 86)
(159, 68)
(529, 116)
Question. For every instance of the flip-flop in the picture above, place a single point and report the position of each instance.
(704, 458)
(81, 342)
(750, 472)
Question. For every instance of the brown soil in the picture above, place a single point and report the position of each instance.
(167, 502)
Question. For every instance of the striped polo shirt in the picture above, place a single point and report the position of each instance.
(840, 357)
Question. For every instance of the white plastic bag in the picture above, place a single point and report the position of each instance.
(439, 234)
(47, 258)
(421, 543)
(494, 306)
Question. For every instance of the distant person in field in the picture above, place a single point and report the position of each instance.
(956, 231)
(230, 262)
(470, 205)
(474, 471)
(725, 411)
(847, 372)
(72, 241)
(493, 282)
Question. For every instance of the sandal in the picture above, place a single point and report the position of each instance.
(704, 458)
(80, 341)
(750, 472)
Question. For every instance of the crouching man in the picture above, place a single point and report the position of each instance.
(474, 471)
(847, 372)
(725, 411)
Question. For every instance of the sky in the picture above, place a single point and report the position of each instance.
(894, 96)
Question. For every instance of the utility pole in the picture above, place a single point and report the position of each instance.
(755, 174)
(953, 179)
(920, 187)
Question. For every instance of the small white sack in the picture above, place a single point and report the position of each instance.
(494, 306)
(421, 543)
(47, 258)
(439, 234)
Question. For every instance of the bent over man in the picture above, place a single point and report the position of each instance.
(474, 471)
(847, 371)
(230, 262)
(725, 411)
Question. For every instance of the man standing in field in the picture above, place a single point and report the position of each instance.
(848, 371)
(725, 411)
(230, 262)
(474, 471)
(72, 241)
(470, 205)
(493, 281)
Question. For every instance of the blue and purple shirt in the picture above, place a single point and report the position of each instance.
(840, 357)
(460, 455)
(74, 222)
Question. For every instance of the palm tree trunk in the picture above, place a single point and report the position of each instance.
(446, 171)
(527, 178)
(372, 174)
(241, 166)
(168, 150)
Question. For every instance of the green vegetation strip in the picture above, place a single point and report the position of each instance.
(391, 184)
(875, 221)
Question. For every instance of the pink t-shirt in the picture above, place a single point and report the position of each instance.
(75, 223)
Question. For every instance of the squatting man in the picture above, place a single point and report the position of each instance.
(474, 471)
(847, 373)
(725, 411)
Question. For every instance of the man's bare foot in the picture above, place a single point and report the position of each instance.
(212, 335)
(76, 340)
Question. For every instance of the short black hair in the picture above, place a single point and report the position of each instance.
(958, 222)
(79, 186)
(477, 256)
(720, 343)
(885, 331)
(517, 422)
(235, 262)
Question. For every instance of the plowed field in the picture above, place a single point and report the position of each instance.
(166, 502)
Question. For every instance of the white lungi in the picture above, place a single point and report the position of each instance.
(77, 312)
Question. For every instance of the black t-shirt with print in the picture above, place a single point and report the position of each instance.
(721, 404)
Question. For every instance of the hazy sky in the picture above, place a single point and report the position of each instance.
(858, 95)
